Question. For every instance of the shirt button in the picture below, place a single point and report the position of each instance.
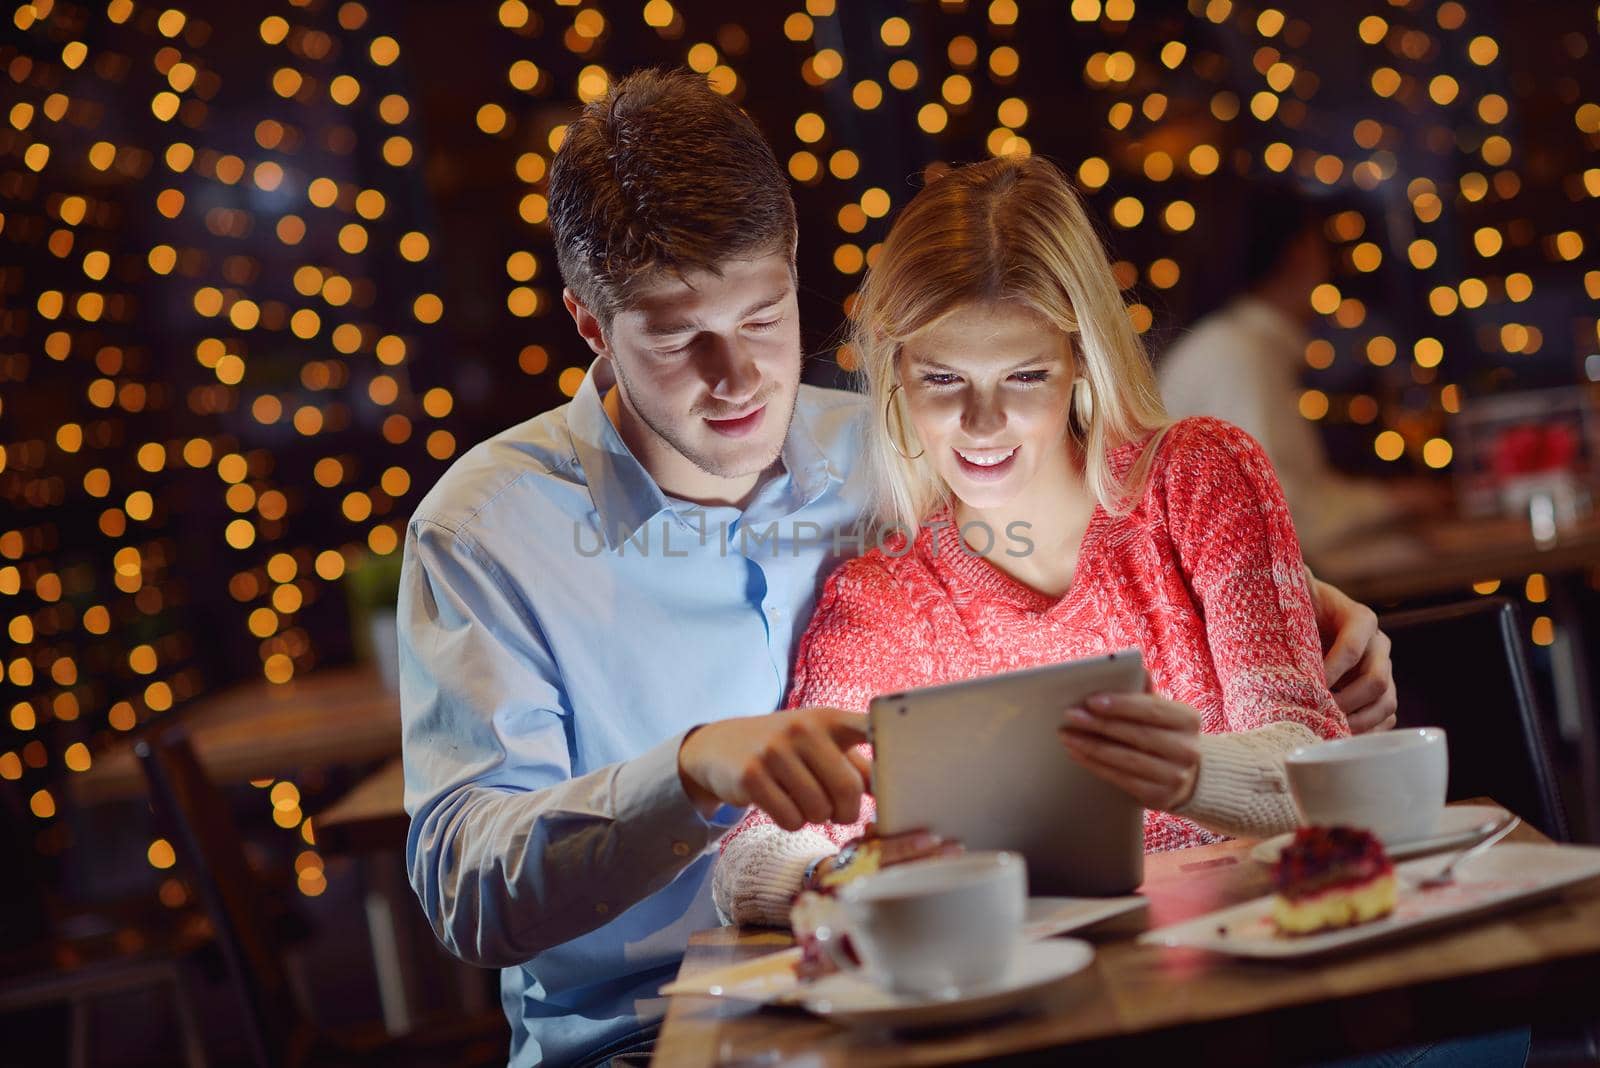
(774, 611)
(680, 849)
(602, 908)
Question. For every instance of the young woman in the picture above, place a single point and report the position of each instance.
(1045, 510)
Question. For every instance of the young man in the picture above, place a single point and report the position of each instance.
(600, 605)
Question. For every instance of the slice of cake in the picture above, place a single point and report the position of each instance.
(857, 859)
(810, 911)
(1331, 877)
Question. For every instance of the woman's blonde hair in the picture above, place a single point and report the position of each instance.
(1006, 230)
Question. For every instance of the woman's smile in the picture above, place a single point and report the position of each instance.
(987, 465)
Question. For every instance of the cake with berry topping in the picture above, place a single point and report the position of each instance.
(818, 906)
(1331, 877)
(813, 910)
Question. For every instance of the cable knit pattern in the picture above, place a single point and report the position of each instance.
(754, 886)
(1203, 575)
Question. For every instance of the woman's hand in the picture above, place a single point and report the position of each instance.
(1142, 743)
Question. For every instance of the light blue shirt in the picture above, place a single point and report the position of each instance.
(563, 623)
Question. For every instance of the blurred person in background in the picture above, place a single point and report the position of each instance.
(1242, 364)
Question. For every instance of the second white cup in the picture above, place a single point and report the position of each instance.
(940, 927)
(1392, 784)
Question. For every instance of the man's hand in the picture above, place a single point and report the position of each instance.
(1356, 657)
(1142, 743)
(799, 766)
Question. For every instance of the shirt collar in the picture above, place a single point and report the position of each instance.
(808, 466)
(625, 495)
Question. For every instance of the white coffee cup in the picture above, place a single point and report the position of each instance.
(1390, 783)
(935, 928)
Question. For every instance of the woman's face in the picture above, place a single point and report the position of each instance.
(989, 391)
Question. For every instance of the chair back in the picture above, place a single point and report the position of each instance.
(196, 813)
(1464, 667)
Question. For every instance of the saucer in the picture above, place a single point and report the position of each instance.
(851, 999)
(1459, 825)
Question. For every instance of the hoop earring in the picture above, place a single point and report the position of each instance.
(896, 436)
(1082, 406)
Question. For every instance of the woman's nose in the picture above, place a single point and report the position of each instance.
(983, 414)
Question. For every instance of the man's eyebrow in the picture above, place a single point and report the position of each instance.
(689, 326)
(765, 302)
(683, 326)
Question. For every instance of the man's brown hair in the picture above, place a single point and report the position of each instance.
(664, 174)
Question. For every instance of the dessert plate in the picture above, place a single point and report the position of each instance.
(849, 999)
(1506, 874)
(1459, 825)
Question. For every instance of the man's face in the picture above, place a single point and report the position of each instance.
(710, 366)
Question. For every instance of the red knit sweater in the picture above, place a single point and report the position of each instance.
(1204, 576)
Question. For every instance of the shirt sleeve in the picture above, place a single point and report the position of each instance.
(509, 853)
(1233, 537)
(862, 641)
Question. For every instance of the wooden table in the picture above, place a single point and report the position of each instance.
(1148, 1004)
(371, 818)
(259, 730)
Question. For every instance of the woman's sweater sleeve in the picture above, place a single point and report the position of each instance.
(1231, 529)
(1236, 543)
(859, 644)
(1242, 790)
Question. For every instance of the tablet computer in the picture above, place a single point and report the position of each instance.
(980, 761)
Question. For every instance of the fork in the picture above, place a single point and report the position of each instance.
(1446, 876)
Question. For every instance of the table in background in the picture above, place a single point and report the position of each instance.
(1448, 555)
(1445, 556)
(370, 818)
(259, 730)
(369, 824)
(1150, 1004)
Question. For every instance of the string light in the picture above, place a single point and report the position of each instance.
(219, 246)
